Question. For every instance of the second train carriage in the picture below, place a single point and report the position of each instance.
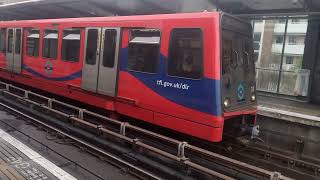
(192, 73)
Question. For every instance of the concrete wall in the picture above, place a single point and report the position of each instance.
(287, 135)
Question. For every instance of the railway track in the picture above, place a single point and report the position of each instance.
(146, 154)
(261, 155)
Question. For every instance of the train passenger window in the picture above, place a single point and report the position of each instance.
(3, 40)
(109, 50)
(33, 36)
(18, 41)
(50, 44)
(144, 47)
(91, 50)
(186, 53)
(10, 40)
(70, 45)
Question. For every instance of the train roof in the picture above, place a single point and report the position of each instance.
(159, 17)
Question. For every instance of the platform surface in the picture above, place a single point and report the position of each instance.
(298, 112)
(18, 161)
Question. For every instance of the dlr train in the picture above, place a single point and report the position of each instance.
(190, 72)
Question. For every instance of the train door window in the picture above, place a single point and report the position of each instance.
(10, 40)
(70, 45)
(33, 36)
(18, 41)
(186, 53)
(91, 50)
(3, 40)
(50, 44)
(144, 49)
(109, 50)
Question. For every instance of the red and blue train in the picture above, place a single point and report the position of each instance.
(192, 72)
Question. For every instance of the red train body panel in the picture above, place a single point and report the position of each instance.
(192, 104)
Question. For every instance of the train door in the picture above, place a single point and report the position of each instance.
(14, 47)
(9, 53)
(99, 73)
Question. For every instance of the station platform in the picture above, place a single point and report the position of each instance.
(18, 161)
(289, 110)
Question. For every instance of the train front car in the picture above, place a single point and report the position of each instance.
(238, 92)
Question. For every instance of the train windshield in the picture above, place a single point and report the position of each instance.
(237, 71)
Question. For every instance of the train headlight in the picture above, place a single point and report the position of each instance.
(253, 94)
(253, 97)
(226, 102)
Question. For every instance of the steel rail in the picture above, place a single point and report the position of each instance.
(179, 156)
(99, 150)
(45, 146)
(290, 161)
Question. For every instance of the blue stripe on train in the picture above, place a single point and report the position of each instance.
(202, 95)
(64, 78)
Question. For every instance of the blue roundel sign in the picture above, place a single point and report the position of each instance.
(240, 91)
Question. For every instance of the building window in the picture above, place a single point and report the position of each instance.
(295, 21)
(91, 46)
(282, 21)
(50, 44)
(33, 42)
(279, 39)
(292, 40)
(257, 37)
(3, 40)
(289, 60)
(70, 45)
(186, 53)
(144, 47)
(109, 50)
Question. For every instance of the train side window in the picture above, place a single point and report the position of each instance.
(70, 45)
(10, 41)
(91, 50)
(109, 50)
(50, 44)
(33, 36)
(3, 40)
(186, 53)
(144, 49)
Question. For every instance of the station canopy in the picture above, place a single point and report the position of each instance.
(45, 9)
